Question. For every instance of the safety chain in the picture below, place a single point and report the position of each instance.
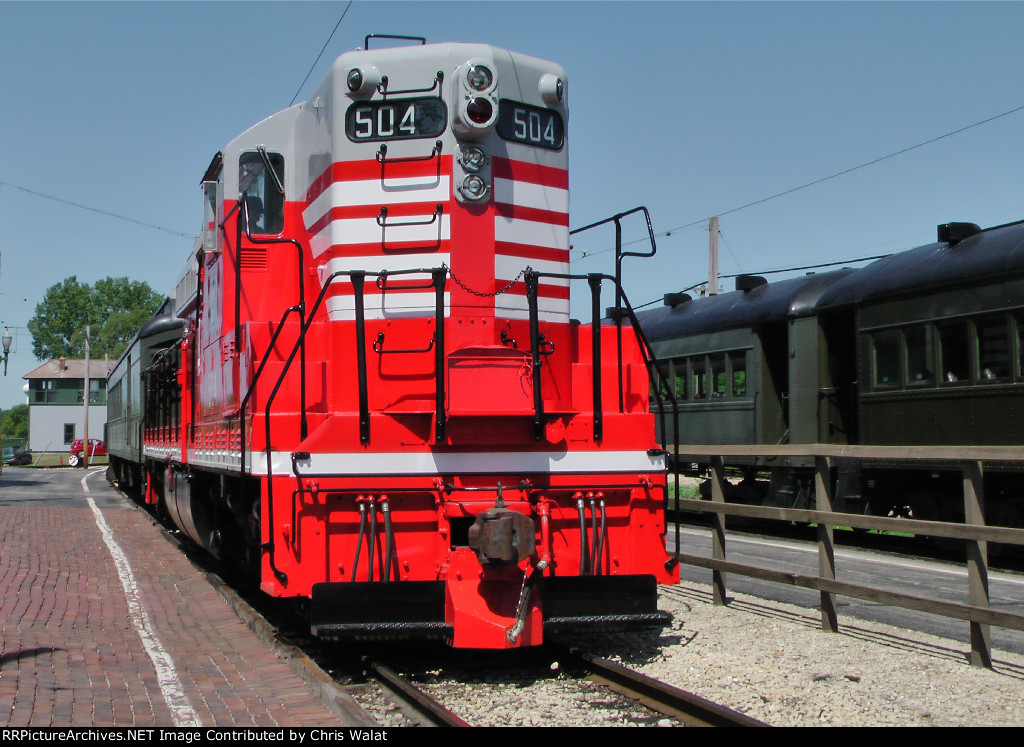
(466, 288)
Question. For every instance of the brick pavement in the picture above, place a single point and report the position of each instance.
(74, 653)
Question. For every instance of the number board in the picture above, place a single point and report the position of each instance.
(403, 119)
(531, 125)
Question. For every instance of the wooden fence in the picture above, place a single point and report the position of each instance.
(973, 531)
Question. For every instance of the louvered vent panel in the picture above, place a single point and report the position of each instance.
(254, 258)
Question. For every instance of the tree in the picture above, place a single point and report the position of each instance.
(114, 309)
(14, 422)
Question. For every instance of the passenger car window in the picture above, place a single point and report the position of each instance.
(993, 348)
(699, 378)
(954, 352)
(718, 379)
(738, 364)
(886, 350)
(920, 342)
(679, 378)
(1019, 319)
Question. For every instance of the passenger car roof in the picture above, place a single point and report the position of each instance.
(994, 252)
(777, 301)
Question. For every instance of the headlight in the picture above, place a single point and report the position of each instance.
(474, 187)
(473, 159)
(479, 77)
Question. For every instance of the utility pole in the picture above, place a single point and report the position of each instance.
(713, 258)
(85, 397)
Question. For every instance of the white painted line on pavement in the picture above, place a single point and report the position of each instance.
(167, 676)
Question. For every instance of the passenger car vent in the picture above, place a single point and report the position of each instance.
(954, 233)
(675, 299)
(749, 282)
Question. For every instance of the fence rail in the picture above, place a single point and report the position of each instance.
(974, 532)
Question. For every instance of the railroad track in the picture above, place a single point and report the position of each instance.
(686, 707)
(414, 697)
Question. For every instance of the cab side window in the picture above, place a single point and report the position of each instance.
(264, 199)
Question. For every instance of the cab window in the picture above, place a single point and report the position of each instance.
(264, 199)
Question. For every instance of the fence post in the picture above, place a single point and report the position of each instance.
(718, 528)
(826, 548)
(977, 563)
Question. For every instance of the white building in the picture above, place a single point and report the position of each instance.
(56, 408)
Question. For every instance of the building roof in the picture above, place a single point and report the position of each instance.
(70, 368)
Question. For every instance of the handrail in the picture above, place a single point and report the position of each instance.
(358, 278)
(651, 362)
(619, 256)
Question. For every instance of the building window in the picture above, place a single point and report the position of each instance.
(69, 434)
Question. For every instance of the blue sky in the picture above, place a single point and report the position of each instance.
(691, 109)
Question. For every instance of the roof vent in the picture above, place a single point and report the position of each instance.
(954, 233)
(676, 299)
(749, 282)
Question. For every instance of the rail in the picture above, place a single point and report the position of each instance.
(974, 532)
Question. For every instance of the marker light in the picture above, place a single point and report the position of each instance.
(362, 80)
(552, 88)
(355, 79)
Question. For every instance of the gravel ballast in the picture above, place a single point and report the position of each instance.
(773, 662)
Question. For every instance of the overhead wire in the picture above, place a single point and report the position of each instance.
(317, 60)
(97, 210)
(791, 190)
(144, 224)
(780, 270)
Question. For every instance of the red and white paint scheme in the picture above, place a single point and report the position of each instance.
(365, 411)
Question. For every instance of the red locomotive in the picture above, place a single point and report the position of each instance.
(368, 388)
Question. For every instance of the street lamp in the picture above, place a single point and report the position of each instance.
(6, 341)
